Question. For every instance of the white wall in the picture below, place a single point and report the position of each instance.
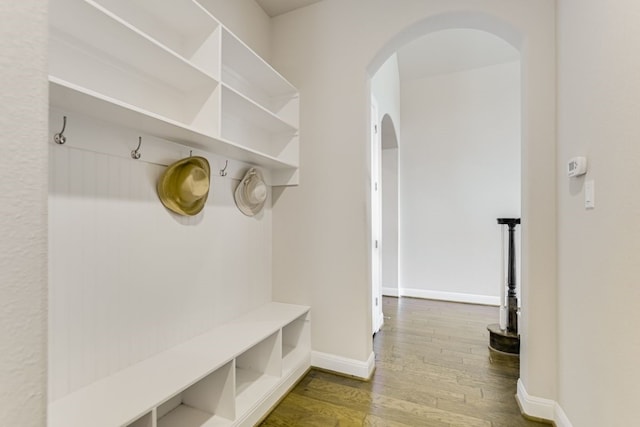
(599, 249)
(385, 89)
(321, 228)
(459, 171)
(23, 210)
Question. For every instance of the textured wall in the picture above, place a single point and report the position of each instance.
(599, 249)
(23, 189)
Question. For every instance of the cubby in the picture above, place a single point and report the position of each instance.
(257, 370)
(295, 337)
(209, 401)
(229, 376)
(158, 67)
(183, 27)
(147, 420)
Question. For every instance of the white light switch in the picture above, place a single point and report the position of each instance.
(589, 194)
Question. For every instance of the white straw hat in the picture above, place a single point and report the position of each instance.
(251, 193)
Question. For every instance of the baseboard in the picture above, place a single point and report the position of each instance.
(343, 365)
(390, 292)
(538, 407)
(561, 418)
(450, 296)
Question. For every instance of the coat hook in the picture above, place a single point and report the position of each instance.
(190, 153)
(59, 137)
(223, 171)
(135, 154)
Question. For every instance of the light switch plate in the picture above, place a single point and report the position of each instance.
(589, 194)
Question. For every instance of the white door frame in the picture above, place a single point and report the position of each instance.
(377, 318)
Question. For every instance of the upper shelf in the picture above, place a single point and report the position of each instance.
(71, 97)
(250, 74)
(158, 67)
(87, 24)
(185, 27)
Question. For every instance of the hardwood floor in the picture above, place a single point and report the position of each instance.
(433, 368)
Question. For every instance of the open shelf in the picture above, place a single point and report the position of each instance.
(209, 401)
(71, 97)
(183, 27)
(258, 371)
(295, 338)
(98, 32)
(157, 66)
(228, 376)
(240, 106)
(250, 74)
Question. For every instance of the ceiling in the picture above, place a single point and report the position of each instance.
(279, 7)
(453, 50)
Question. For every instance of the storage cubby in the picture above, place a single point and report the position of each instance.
(103, 55)
(257, 371)
(252, 76)
(183, 27)
(228, 376)
(254, 127)
(157, 67)
(295, 341)
(146, 420)
(210, 401)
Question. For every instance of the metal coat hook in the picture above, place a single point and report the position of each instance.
(59, 137)
(136, 154)
(223, 171)
(190, 153)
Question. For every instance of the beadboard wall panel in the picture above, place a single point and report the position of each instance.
(128, 278)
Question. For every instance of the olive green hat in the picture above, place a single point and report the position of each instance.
(184, 186)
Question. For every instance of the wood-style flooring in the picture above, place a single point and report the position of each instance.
(433, 368)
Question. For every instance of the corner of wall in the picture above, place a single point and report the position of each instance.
(539, 408)
(343, 365)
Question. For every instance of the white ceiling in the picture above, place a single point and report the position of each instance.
(279, 7)
(453, 50)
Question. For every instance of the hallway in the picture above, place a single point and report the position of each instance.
(433, 368)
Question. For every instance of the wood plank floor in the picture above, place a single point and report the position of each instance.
(433, 368)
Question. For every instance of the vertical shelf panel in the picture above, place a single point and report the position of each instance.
(146, 420)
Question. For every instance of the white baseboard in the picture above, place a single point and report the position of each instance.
(343, 365)
(538, 407)
(390, 292)
(561, 418)
(450, 296)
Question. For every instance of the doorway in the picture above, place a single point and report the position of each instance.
(458, 164)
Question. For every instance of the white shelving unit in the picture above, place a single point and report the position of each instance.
(230, 376)
(172, 70)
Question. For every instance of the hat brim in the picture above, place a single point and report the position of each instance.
(247, 208)
(167, 185)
